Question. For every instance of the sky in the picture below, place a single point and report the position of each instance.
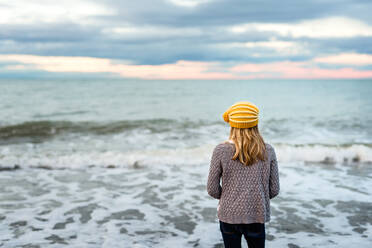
(186, 39)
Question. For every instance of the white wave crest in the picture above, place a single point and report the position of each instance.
(323, 153)
(185, 156)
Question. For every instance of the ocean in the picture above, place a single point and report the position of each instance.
(124, 162)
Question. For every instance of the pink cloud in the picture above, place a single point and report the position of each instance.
(346, 59)
(306, 70)
(181, 69)
(314, 73)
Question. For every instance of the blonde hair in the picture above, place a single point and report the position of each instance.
(249, 145)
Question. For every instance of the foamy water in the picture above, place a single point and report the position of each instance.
(21, 157)
(320, 205)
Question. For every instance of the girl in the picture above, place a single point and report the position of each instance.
(249, 171)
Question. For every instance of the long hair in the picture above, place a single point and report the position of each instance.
(249, 145)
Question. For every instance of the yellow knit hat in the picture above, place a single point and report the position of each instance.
(242, 115)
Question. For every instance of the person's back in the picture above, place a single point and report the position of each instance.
(249, 172)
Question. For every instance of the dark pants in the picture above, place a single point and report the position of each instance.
(232, 234)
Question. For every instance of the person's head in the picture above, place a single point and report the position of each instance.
(249, 144)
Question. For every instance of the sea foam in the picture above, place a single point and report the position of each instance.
(35, 157)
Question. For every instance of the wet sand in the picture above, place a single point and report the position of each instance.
(320, 205)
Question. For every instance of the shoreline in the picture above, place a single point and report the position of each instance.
(319, 204)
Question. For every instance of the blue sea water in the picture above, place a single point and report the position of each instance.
(126, 115)
(123, 162)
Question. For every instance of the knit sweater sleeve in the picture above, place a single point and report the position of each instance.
(215, 171)
(274, 185)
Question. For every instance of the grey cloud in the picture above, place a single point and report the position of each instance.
(218, 12)
(359, 9)
(56, 32)
(208, 47)
(340, 45)
(210, 42)
(153, 53)
(230, 12)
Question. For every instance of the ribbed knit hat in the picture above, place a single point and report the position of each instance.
(242, 115)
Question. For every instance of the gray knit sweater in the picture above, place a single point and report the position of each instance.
(246, 190)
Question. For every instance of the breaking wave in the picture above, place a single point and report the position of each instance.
(39, 131)
(199, 156)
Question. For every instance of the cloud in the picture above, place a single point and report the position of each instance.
(300, 70)
(331, 27)
(279, 47)
(158, 32)
(188, 3)
(31, 12)
(46, 33)
(153, 33)
(346, 59)
(217, 12)
(149, 44)
(180, 69)
(323, 47)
